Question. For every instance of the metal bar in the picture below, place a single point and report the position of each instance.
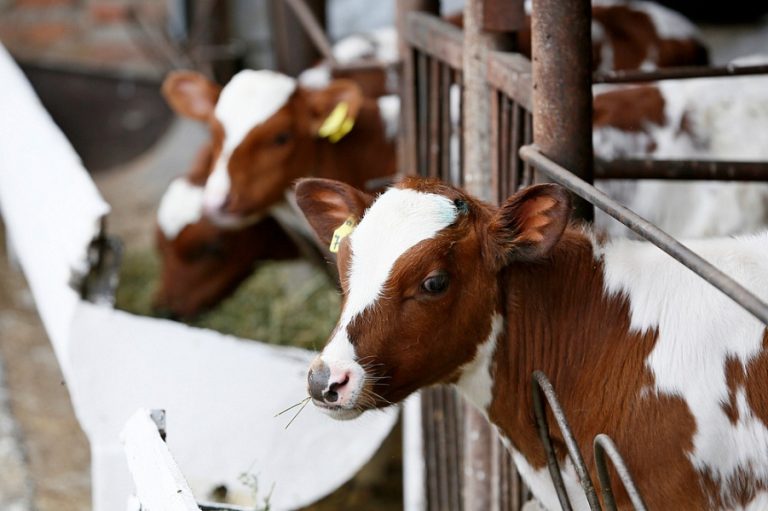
(447, 122)
(682, 169)
(676, 73)
(406, 147)
(511, 74)
(436, 37)
(313, 28)
(433, 118)
(541, 385)
(603, 446)
(650, 232)
(422, 111)
(562, 94)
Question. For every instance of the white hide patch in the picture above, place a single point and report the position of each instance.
(389, 109)
(476, 381)
(398, 220)
(249, 99)
(669, 24)
(181, 205)
(542, 487)
(699, 329)
(727, 117)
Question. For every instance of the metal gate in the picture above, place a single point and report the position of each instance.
(444, 66)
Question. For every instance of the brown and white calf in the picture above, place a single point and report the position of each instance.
(706, 119)
(267, 130)
(632, 35)
(201, 263)
(442, 288)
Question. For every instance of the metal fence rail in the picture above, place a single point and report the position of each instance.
(650, 232)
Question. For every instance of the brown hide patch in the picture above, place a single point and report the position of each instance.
(629, 109)
(752, 380)
(560, 321)
(205, 263)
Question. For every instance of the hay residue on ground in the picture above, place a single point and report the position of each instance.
(285, 303)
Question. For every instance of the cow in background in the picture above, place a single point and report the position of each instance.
(706, 118)
(201, 264)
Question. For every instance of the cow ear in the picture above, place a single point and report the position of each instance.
(191, 94)
(333, 110)
(332, 208)
(529, 223)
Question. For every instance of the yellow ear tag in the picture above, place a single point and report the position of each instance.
(342, 232)
(337, 124)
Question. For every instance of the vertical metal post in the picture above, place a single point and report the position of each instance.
(478, 176)
(562, 96)
(407, 159)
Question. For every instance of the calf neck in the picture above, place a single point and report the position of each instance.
(441, 288)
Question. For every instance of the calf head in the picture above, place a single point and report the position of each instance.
(264, 131)
(419, 269)
(202, 263)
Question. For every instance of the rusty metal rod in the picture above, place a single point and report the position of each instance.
(542, 389)
(650, 232)
(604, 446)
(676, 73)
(313, 28)
(715, 170)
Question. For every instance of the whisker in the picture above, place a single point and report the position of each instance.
(297, 413)
(303, 401)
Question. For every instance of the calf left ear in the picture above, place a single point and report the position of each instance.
(529, 223)
(332, 208)
(333, 110)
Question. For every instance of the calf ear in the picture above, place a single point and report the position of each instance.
(333, 110)
(529, 223)
(191, 94)
(328, 205)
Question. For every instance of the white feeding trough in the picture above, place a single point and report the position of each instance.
(221, 393)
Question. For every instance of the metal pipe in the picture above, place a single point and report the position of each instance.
(676, 73)
(688, 170)
(603, 446)
(650, 232)
(562, 94)
(541, 385)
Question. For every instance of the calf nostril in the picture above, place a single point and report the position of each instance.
(330, 395)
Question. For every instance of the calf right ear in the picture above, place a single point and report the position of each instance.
(331, 207)
(190, 94)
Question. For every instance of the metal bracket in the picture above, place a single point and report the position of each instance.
(99, 282)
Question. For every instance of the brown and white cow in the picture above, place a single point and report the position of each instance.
(632, 35)
(442, 288)
(267, 130)
(701, 119)
(201, 263)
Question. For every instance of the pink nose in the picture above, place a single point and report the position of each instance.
(325, 384)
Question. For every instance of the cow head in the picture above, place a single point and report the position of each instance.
(419, 269)
(265, 129)
(202, 263)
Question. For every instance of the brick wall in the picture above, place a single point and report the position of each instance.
(84, 34)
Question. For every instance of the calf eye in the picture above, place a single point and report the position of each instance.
(282, 138)
(435, 283)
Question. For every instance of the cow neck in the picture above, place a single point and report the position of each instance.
(363, 154)
(559, 320)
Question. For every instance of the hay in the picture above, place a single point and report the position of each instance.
(286, 303)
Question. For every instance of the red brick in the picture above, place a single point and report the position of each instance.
(45, 3)
(47, 33)
(109, 12)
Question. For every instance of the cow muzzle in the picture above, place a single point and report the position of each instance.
(335, 387)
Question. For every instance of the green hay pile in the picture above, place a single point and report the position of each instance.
(286, 303)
